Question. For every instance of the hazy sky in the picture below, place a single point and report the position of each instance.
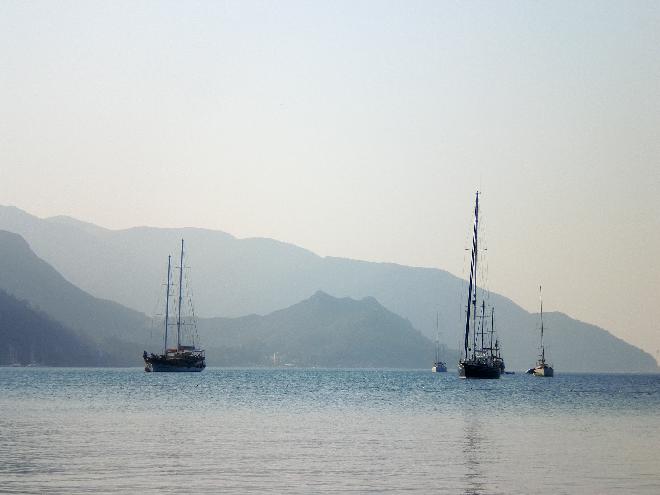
(357, 129)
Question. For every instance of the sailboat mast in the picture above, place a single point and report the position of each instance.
(437, 337)
(492, 327)
(483, 322)
(167, 299)
(473, 282)
(542, 348)
(178, 318)
(476, 256)
(469, 306)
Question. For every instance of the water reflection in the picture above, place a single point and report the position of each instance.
(475, 448)
(323, 431)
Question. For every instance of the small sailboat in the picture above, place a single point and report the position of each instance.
(477, 361)
(438, 366)
(183, 357)
(542, 368)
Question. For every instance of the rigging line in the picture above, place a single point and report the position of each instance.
(178, 322)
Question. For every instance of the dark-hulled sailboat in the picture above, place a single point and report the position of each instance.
(478, 359)
(183, 357)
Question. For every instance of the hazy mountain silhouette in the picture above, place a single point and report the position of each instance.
(234, 277)
(30, 337)
(320, 331)
(110, 325)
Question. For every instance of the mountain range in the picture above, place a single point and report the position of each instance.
(236, 277)
(322, 331)
(56, 323)
(27, 277)
(31, 337)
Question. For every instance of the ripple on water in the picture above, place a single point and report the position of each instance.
(315, 431)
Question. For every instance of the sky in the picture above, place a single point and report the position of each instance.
(359, 129)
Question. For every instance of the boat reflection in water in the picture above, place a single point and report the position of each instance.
(473, 449)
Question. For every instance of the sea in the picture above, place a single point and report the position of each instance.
(309, 431)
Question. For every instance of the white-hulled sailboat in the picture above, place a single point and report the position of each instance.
(438, 366)
(542, 368)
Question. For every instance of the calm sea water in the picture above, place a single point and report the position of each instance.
(326, 431)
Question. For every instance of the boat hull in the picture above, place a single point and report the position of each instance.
(168, 368)
(439, 368)
(174, 364)
(476, 369)
(545, 371)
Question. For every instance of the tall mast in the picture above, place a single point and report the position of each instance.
(542, 348)
(492, 327)
(476, 257)
(178, 318)
(437, 337)
(473, 280)
(483, 322)
(167, 300)
(469, 303)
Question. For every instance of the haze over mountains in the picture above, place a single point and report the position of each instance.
(105, 325)
(31, 337)
(321, 331)
(236, 277)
